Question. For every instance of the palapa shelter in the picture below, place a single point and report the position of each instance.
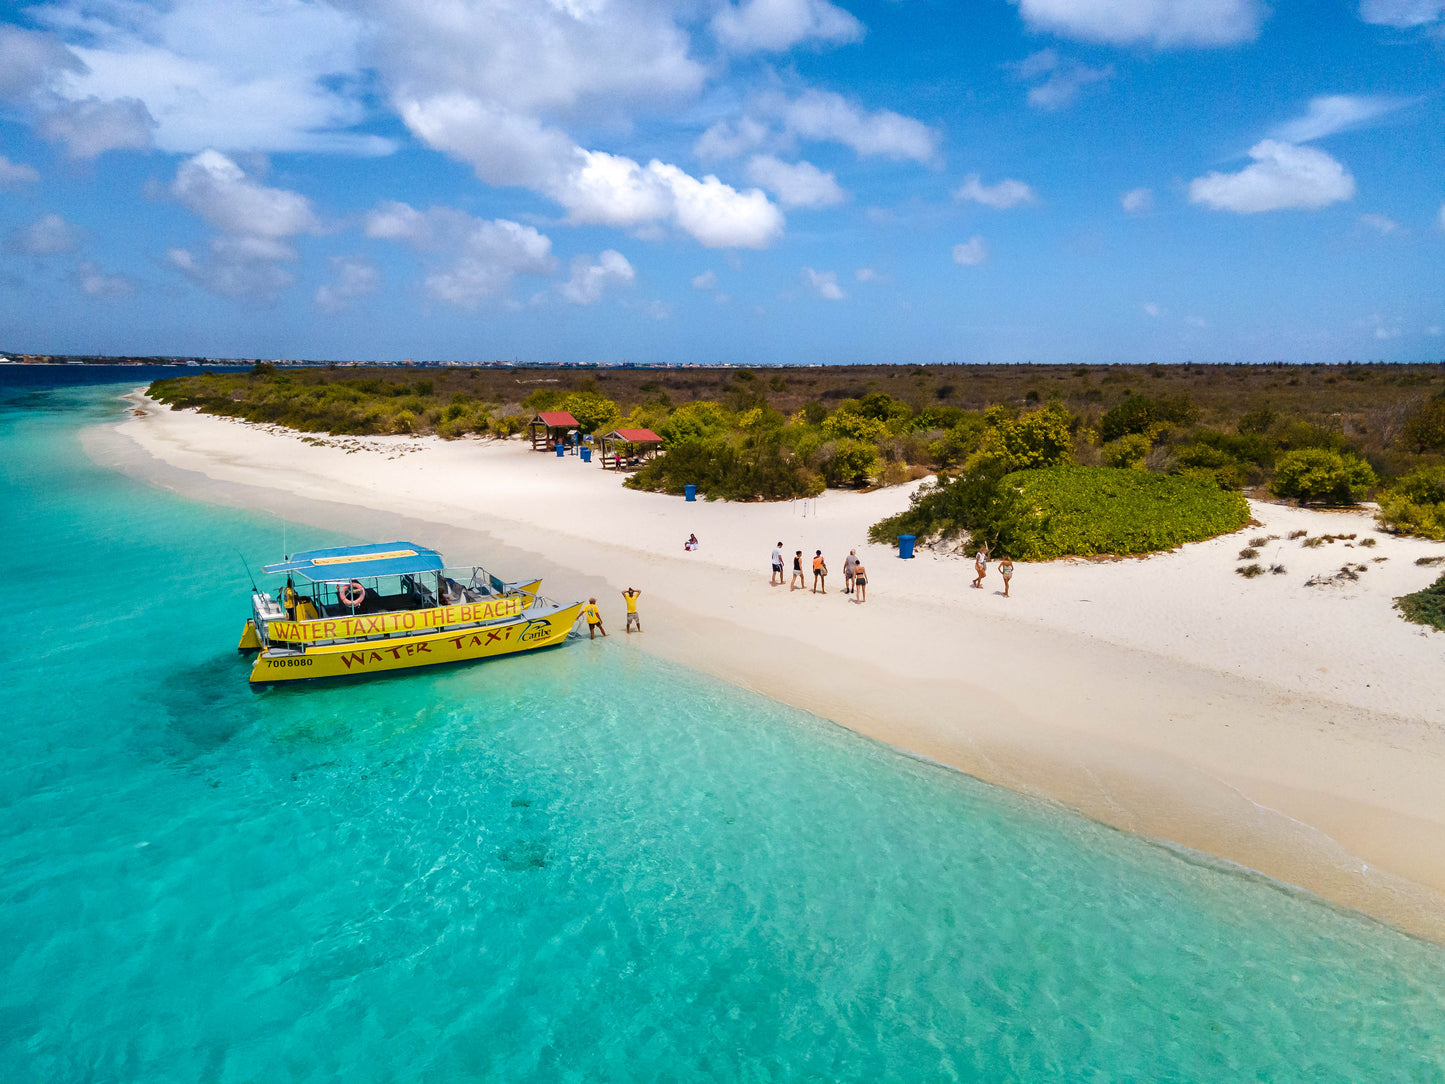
(550, 427)
(628, 447)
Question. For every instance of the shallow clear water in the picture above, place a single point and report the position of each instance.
(582, 865)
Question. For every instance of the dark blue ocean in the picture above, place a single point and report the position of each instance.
(577, 866)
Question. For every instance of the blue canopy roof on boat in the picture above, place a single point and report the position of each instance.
(357, 562)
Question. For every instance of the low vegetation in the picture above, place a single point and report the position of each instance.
(1425, 607)
(1070, 511)
(1315, 434)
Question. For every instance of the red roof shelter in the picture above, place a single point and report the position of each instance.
(549, 427)
(628, 447)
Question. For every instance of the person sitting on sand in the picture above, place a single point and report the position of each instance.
(632, 619)
(860, 582)
(691, 543)
(594, 619)
(798, 580)
(820, 572)
(849, 564)
(777, 580)
(1006, 570)
(980, 565)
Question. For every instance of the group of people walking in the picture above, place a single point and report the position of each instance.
(855, 576)
(980, 568)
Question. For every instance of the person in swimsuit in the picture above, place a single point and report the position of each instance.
(632, 619)
(1006, 570)
(820, 572)
(594, 619)
(980, 565)
(860, 582)
(849, 564)
(777, 580)
(798, 580)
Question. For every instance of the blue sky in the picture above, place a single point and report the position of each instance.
(764, 181)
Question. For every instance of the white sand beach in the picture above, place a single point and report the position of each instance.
(1297, 730)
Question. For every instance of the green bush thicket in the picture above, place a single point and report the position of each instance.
(1425, 607)
(1415, 504)
(1322, 476)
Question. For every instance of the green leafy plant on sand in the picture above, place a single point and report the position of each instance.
(1416, 504)
(1322, 476)
(761, 469)
(1425, 607)
(1071, 511)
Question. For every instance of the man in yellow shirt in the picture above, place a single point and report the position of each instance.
(630, 595)
(594, 619)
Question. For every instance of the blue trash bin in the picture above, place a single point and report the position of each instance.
(905, 546)
(587, 455)
(690, 492)
(561, 449)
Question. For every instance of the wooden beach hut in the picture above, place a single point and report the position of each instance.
(628, 447)
(550, 427)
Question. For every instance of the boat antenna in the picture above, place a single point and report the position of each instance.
(254, 589)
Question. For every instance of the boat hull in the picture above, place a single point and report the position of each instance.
(379, 656)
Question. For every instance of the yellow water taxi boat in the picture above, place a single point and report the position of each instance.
(356, 610)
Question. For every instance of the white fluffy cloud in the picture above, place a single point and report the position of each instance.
(1283, 176)
(217, 189)
(823, 115)
(15, 174)
(1137, 201)
(215, 73)
(94, 282)
(37, 75)
(590, 279)
(352, 277)
(1401, 13)
(254, 221)
(824, 284)
(1380, 223)
(1331, 113)
(1057, 82)
(775, 25)
(796, 184)
(1161, 23)
(49, 235)
(971, 253)
(705, 281)
(1001, 196)
(476, 259)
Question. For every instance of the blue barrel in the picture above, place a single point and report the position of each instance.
(905, 546)
(561, 449)
(587, 455)
(689, 492)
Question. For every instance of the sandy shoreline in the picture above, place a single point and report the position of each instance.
(1294, 729)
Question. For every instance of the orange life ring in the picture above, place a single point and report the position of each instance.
(353, 594)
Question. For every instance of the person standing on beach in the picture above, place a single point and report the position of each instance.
(820, 572)
(777, 580)
(798, 580)
(1006, 570)
(632, 619)
(980, 565)
(849, 564)
(860, 582)
(594, 619)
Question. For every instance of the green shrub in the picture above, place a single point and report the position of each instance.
(1415, 504)
(1425, 607)
(845, 423)
(1070, 511)
(1040, 438)
(765, 470)
(594, 413)
(1322, 475)
(1424, 431)
(1128, 452)
(1140, 414)
(848, 462)
(693, 422)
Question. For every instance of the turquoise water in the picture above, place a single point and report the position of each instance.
(579, 866)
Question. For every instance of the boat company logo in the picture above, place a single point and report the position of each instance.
(536, 630)
(350, 628)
